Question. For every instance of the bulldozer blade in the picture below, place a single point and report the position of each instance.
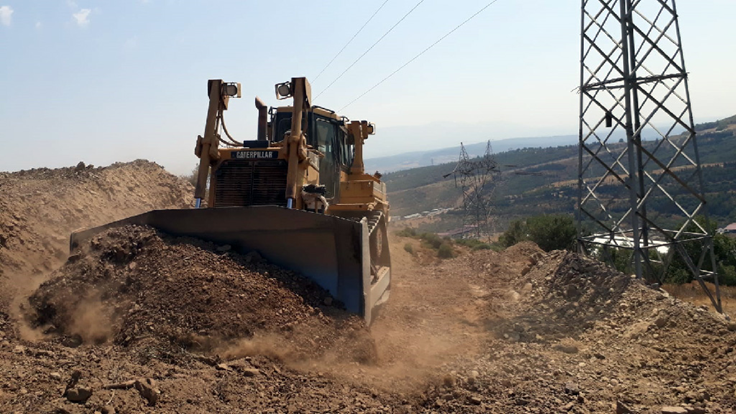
(332, 251)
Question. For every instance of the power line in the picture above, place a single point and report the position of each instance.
(419, 54)
(369, 49)
(349, 41)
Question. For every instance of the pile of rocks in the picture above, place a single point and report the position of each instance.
(137, 287)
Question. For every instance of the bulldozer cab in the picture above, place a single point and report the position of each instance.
(326, 133)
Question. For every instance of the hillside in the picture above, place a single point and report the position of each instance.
(71, 198)
(475, 138)
(544, 180)
(448, 155)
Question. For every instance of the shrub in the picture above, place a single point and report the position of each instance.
(192, 177)
(429, 240)
(727, 275)
(432, 240)
(482, 246)
(473, 244)
(549, 232)
(409, 248)
(678, 276)
(467, 242)
(496, 247)
(516, 233)
(445, 251)
(407, 232)
(553, 232)
(724, 248)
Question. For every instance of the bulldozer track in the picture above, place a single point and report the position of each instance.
(373, 219)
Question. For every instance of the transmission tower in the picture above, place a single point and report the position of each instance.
(477, 179)
(638, 146)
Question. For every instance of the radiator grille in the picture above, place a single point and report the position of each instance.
(250, 183)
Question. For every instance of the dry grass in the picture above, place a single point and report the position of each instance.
(692, 292)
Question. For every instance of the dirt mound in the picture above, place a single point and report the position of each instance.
(41, 207)
(567, 294)
(525, 249)
(563, 294)
(572, 335)
(141, 288)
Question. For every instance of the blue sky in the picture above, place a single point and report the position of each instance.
(105, 81)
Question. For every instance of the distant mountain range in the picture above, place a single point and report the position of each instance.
(410, 160)
(443, 139)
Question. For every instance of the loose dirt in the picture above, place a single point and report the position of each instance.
(41, 207)
(571, 335)
(159, 295)
(138, 321)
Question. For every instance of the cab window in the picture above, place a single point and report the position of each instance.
(325, 132)
(346, 149)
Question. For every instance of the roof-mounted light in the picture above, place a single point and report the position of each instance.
(232, 89)
(283, 90)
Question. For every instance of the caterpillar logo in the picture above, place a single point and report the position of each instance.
(249, 155)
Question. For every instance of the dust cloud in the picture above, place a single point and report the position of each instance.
(91, 321)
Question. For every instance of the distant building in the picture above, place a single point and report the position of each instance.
(730, 230)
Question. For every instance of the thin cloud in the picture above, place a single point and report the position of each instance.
(38, 25)
(6, 15)
(82, 17)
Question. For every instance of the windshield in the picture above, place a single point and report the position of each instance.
(325, 140)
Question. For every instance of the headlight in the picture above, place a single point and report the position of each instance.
(283, 90)
(233, 89)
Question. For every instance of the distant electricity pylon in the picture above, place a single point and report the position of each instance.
(638, 200)
(477, 179)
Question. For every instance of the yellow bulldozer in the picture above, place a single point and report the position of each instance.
(298, 195)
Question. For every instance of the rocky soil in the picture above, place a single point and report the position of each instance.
(575, 336)
(159, 295)
(41, 207)
(137, 321)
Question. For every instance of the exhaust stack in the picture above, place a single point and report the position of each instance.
(262, 119)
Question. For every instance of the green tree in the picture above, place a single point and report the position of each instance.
(724, 248)
(552, 232)
(549, 232)
(516, 233)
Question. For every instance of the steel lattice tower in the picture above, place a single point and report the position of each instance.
(638, 146)
(477, 179)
